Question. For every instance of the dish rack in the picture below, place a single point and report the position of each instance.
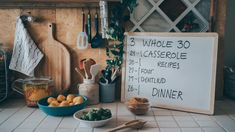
(4, 74)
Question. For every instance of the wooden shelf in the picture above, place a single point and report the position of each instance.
(50, 3)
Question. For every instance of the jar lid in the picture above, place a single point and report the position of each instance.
(37, 81)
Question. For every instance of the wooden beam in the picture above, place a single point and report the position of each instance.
(6, 4)
(220, 29)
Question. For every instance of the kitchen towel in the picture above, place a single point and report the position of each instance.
(26, 55)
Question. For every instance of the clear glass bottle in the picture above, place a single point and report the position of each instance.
(90, 89)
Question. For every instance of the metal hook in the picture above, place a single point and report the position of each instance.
(88, 9)
(27, 17)
(96, 10)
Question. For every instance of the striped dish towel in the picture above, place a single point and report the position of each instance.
(26, 55)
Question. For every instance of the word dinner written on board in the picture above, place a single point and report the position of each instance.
(173, 70)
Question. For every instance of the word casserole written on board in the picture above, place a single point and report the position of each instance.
(172, 70)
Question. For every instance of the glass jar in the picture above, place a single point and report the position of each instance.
(90, 89)
(34, 89)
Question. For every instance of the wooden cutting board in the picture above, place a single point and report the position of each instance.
(56, 62)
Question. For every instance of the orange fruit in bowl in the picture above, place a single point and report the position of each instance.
(78, 100)
(61, 98)
(70, 98)
(70, 104)
(54, 103)
(50, 99)
(64, 103)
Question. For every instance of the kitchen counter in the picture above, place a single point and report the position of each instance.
(16, 116)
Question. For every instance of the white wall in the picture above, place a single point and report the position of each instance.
(229, 47)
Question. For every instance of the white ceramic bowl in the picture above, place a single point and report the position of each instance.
(93, 124)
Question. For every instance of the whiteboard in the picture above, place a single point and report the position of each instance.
(173, 70)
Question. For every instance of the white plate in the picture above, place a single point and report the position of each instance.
(93, 124)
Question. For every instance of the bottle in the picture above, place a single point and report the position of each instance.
(90, 89)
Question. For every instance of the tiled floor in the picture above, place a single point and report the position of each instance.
(15, 116)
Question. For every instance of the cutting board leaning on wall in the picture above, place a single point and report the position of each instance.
(56, 62)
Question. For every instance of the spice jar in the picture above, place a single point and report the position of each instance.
(90, 89)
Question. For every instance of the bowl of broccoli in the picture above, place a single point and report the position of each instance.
(93, 117)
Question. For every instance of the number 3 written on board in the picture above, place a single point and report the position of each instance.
(132, 42)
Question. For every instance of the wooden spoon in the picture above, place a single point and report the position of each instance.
(87, 66)
(85, 69)
(137, 124)
(78, 70)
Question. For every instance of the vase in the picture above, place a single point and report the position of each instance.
(90, 89)
(107, 92)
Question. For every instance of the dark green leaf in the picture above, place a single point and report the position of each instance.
(115, 52)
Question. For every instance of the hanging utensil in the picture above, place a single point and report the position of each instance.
(94, 70)
(136, 124)
(89, 26)
(82, 40)
(86, 28)
(97, 39)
